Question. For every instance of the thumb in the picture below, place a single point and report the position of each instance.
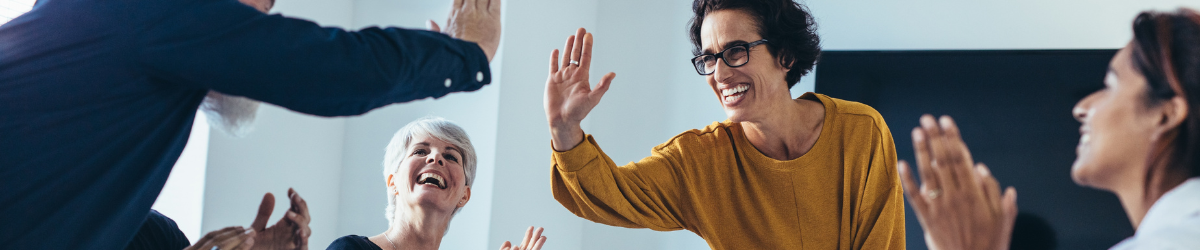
(264, 212)
(432, 26)
(601, 88)
(1009, 204)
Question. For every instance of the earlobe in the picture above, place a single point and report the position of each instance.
(466, 197)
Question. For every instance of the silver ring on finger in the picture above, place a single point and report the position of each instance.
(574, 63)
(215, 248)
(933, 194)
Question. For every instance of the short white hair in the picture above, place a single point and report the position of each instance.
(432, 126)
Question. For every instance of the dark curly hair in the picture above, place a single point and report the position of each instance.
(789, 29)
(1166, 50)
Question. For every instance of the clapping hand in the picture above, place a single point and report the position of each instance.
(533, 241)
(291, 232)
(569, 95)
(959, 203)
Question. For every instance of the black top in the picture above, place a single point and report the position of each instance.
(158, 232)
(97, 98)
(353, 242)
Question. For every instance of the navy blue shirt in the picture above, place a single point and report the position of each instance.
(97, 98)
(353, 242)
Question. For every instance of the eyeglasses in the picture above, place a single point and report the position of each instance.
(735, 56)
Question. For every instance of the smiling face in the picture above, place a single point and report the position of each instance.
(1118, 129)
(748, 92)
(431, 176)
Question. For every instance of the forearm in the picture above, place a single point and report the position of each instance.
(565, 136)
(588, 183)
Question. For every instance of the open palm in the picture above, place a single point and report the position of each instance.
(569, 95)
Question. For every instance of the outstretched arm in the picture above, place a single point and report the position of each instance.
(294, 63)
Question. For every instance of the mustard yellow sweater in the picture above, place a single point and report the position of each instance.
(842, 194)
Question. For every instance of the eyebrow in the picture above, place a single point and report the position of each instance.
(727, 45)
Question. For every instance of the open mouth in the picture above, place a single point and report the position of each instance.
(432, 179)
(732, 95)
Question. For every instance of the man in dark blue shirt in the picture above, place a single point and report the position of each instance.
(97, 97)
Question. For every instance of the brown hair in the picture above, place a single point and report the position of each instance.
(1166, 49)
(790, 31)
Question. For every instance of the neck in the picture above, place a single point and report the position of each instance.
(789, 132)
(414, 232)
(1141, 195)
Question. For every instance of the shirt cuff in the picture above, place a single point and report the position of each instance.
(576, 158)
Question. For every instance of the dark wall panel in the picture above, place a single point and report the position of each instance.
(1014, 108)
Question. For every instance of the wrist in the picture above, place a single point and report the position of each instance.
(564, 138)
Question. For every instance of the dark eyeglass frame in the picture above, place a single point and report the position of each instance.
(721, 56)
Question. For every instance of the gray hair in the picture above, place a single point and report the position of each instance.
(431, 126)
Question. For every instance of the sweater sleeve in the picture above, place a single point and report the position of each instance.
(644, 194)
(229, 47)
(879, 220)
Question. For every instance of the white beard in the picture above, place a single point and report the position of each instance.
(231, 114)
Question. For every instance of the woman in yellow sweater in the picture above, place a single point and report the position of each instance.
(808, 173)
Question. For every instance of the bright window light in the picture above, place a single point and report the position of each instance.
(10, 9)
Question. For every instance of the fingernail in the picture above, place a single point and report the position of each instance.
(917, 135)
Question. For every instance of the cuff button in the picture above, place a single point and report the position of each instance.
(479, 76)
(448, 82)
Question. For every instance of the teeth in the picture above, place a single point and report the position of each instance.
(734, 90)
(441, 183)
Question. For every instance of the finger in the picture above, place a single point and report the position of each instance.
(525, 240)
(937, 154)
(910, 189)
(299, 205)
(264, 212)
(566, 60)
(601, 88)
(208, 238)
(554, 61)
(956, 151)
(537, 236)
(585, 56)
(458, 4)
(432, 26)
(578, 52)
(989, 186)
(506, 245)
(494, 7)
(538, 245)
(469, 5)
(929, 179)
(1009, 204)
(233, 241)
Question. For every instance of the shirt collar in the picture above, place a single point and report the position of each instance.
(1181, 202)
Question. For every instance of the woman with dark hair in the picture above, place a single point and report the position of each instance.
(1140, 137)
(813, 172)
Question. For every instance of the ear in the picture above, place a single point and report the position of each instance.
(466, 197)
(1173, 112)
(390, 183)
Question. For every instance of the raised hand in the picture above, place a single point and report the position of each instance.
(569, 95)
(229, 238)
(533, 241)
(290, 232)
(959, 202)
(475, 21)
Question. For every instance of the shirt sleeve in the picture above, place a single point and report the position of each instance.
(879, 220)
(231, 48)
(638, 195)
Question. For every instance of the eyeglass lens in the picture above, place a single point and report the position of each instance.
(733, 57)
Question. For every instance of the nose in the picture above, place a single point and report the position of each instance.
(432, 158)
(721, 70)
(1080, 111)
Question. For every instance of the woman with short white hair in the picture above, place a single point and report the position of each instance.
(428, 168)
